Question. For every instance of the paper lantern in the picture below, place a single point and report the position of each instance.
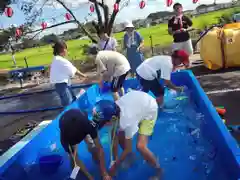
(169, 3)
(142, 4)
(92, 8)
(18, 32)
(8, 11)
(68, 16)
(195, 1)
(116, 7)
(44, 25)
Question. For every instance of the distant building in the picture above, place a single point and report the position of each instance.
(212, 7)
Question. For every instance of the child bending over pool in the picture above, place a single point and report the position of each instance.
(138, 115)
(75, 127)
(111, 66)
(61, 70)
(160, 67)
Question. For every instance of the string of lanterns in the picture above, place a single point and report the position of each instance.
(169, 3)
(8, 12)
(19, 31)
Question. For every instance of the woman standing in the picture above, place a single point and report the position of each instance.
(61, 71)
(106, 42)
(133, 43)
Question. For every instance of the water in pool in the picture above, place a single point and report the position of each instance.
(178, 143)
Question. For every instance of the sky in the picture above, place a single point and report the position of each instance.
(54, 13)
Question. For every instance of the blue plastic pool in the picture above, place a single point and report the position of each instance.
(190, 141)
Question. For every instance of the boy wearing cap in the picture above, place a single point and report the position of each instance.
(75, 127)
(160, 67)
(137, 114)
(111, 66)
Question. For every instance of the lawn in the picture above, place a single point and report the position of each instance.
(43, 55)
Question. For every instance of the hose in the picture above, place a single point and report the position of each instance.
(44, 91)
(209, 29)
(114, 129)
(36, 110)
(31, 110)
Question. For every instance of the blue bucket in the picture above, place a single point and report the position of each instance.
(49, 164)
(106, 87)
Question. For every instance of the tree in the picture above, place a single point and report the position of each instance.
(105, 19)
(48, 39)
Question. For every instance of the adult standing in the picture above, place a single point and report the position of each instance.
(133, 43)
(61, 70)
(106, 42)
(178, 26)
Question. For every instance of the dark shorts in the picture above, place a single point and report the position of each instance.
(154, 86)
(69, 148)
(117, 82)
(66, 146)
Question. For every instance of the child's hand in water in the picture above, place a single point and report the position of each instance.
(112, 170)
(107, 177)
(180, 89)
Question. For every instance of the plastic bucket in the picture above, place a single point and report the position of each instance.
(49, 164)
(106, 87)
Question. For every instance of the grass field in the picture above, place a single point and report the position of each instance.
(43, 55)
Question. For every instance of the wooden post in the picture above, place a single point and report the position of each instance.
(151, 42)
(25, 59)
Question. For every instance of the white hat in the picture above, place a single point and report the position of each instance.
(129, 25)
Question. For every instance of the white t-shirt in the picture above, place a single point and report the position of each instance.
(61, 70)
(112, 63)
(135, 106)
(156, 67)
(111, 45)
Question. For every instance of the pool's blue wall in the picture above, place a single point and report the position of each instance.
(214, 128)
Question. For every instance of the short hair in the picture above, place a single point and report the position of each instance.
(177, 4)
(93, 50)
(58, 47)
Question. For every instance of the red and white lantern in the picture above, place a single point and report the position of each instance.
(169, 3)
(44, 25)
(68, 16)
(142, 4)
(18, 32)
(8, 11)
(116, 7)
(194, 1)
(92, 8)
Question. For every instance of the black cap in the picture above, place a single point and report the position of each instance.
(93, 50)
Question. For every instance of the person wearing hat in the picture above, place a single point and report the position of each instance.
(178, 27)
(160, 67)
(133, 44)
(75, 127)
(111, 66)
(135, 113)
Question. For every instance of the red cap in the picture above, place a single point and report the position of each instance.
(183, 55)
